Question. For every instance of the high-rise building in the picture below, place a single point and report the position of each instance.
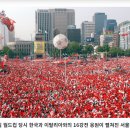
(116, 37)
(124, 28)
(87, 31)
(4, 34)
(12, 36)
(106, 39)
(73, 34)
(61, 19)
(99, 19)
(43, 23)
(110, 26)
(51, 22)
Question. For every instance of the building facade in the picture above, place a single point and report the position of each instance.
(54, 21)
(87, 31)
(62, 18)
(39, 46)
(116, 39)
(12, 36)
(110, 26)
(43, 23)
(23, 47)
(105, 39)
(4, 34)
(74, 34)
(99, 19)
(124, 29)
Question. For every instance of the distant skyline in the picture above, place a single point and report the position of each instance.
(25, 17)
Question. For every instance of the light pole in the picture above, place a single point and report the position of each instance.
(65, 55)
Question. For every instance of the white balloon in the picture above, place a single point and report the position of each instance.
(60, 41)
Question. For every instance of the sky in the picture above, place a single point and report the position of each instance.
(24, 16)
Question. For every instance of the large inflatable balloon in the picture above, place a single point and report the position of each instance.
(60, 41)
(7, 21)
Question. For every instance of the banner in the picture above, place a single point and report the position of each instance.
(39, 47)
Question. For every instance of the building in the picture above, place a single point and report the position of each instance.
(116, 39)
(110, 26)
(111, 44)
(73, 34)
(43, 23)
(71, 27)
(62, 18)
(105, 39)
(54, 21)
(124, 29)
(39, 46)
(4, 34)
(99, 19)
(11, 45)
(12, 36)
(87, 31)
(23, 48)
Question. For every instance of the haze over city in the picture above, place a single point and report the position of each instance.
(25, 17)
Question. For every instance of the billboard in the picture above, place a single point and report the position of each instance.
(39, 47)
(89, 39)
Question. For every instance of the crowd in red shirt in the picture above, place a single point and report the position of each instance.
(97, 89)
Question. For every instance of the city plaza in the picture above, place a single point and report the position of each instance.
(37, 88)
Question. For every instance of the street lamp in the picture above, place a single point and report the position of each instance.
(65, 56)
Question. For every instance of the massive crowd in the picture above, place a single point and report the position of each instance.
(93, 89)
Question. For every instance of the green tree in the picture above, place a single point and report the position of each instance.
(54, 53)
(88, 49)
(5, 50)
(100, 49)
(127, 52)
(11, 53)
(115, 51)
(106, 48)
(73, 48)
